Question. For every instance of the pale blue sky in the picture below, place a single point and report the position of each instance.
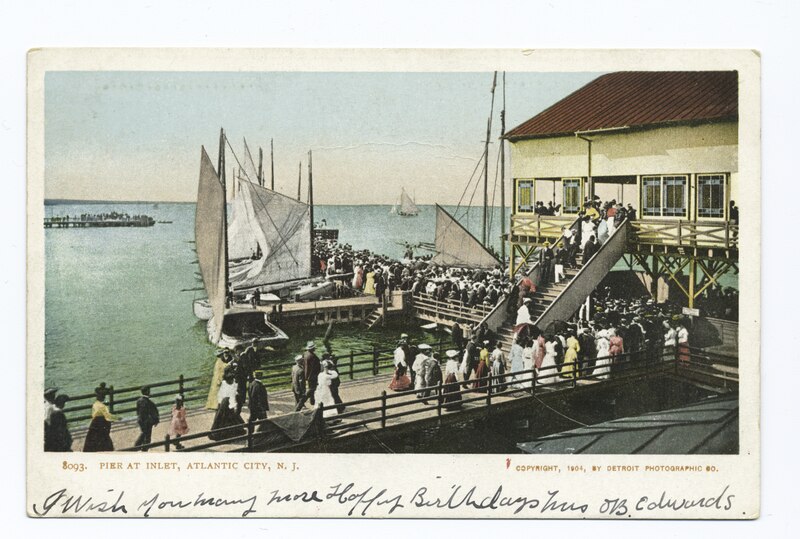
(137, 135)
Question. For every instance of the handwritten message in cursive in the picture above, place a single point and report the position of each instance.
(350, 499)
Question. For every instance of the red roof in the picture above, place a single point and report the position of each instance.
(638, 99)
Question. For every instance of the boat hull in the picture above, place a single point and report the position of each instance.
(314, 291)
(247, 327)
(202, 309)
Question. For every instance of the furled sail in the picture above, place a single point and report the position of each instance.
(455, 246)
(269, 238)
(209, 236)
(407, 206)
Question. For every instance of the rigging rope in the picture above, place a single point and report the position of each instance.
(284, 241)
(494, 193)
(537, 399)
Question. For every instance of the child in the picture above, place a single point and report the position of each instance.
(178, 426)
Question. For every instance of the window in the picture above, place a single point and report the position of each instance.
(651, 196)
(525, 196)
(674, 196)
(664, 196)
(711, 195)
(572, 195)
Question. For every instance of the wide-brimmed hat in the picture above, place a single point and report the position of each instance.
(298, 358)
(403, 336)
(310, 345)
(50, 392)
(451, 353)
(424, 347)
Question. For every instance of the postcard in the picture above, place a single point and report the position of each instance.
(393, 283)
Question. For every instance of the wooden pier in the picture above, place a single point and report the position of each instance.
(372, 411)
(337, 311)
(62, 222)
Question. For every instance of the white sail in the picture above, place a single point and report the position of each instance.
(209, 235)
(269, 238)
(407, 206)
(455, 246)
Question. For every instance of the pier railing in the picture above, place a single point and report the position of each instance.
(724, 235)
(448, 311)
(123, 400)
(351, 365)
(386, 409)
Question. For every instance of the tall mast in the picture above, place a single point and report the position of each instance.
(311, 208)
(271, 165)
(260, 167)
(299, 178)
(503, 174)
(221, 169)
(486, 163)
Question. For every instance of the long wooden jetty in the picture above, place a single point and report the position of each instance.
(371, 411)
(91, 222)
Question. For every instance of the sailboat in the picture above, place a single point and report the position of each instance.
(231, 326)
(454, 245)
(406, 206)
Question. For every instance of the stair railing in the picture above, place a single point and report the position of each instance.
(620, 236)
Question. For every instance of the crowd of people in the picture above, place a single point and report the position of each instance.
(99, 217)
(361, 272)
(57, 436)
(619, 333)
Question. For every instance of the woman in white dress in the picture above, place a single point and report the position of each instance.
(527, 364)
(670, 341)
(603, 366)
(323, 394)
(548, 368)
(587, 230)
(515, 356)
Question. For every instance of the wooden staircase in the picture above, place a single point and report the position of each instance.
(543, 298)
(545, 295)
(373, 319)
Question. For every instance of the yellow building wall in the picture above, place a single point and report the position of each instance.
(697, 149)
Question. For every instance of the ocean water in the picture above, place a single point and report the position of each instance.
(114, 306)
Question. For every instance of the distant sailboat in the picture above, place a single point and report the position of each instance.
(406, 207)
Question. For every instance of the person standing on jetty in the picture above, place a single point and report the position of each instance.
(56, 432)
(311, 368)
(178, 426)
(227, 421)
(420, 366)
(49, 404)
(98, 437)
(257, 399)
(298, 379)
(146, 417)
(401, 381)
(458, 336)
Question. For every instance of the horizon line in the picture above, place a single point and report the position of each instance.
(64, 201)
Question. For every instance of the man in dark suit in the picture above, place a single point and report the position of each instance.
(257, 399)
(311, 368)
(146, 417)
(589, 249)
